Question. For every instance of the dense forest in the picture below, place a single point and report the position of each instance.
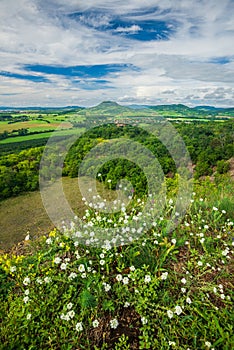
(210, 146)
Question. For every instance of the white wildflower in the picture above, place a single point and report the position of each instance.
(178, 310)
(39, 280)
(79, 327)
(49, 240)
(95, 323)
(71, 313)
(225, 252)
(107, 287)
(188, 300)
(147, 278)
(114, 323)
(164, 275)
(170, 313)
(26, 281)
(26, 299)
(119, 277)
(69, 306)
(27, 238)
(47, 279)
(81, 268)
(72, 275)
(125, 280)
(144, 320)
(57, 260)
(63, 266)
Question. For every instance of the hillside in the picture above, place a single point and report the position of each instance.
(113, 109)
(155, 290)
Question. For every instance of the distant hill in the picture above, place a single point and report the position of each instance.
(172, 107)
(215, 109)
(112, 108)
(109, 107)
(198, 111)
(42, 108)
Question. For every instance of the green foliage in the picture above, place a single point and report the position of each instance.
(19, 172)
(203, 168)
(122, 343)
(6, 284)
(162, 290)
(87, 300)
(222, 167)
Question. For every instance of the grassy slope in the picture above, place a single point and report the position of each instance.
(26, 213)
(164, 291)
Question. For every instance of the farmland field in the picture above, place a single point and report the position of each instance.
(41, 135)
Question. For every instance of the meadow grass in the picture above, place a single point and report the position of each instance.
(42, 135)
(159, 290)
(32, 125)
(26, 213)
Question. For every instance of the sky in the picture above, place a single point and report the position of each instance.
(75, 52)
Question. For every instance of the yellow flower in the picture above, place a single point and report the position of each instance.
(53, 233)
(19, 258)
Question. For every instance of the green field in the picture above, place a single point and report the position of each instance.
(41, 135)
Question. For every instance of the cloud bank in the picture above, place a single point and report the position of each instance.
(64, 52)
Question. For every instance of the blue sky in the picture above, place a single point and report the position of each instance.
(69, 52)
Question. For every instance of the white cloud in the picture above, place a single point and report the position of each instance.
(174, 70)
(132, 29)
